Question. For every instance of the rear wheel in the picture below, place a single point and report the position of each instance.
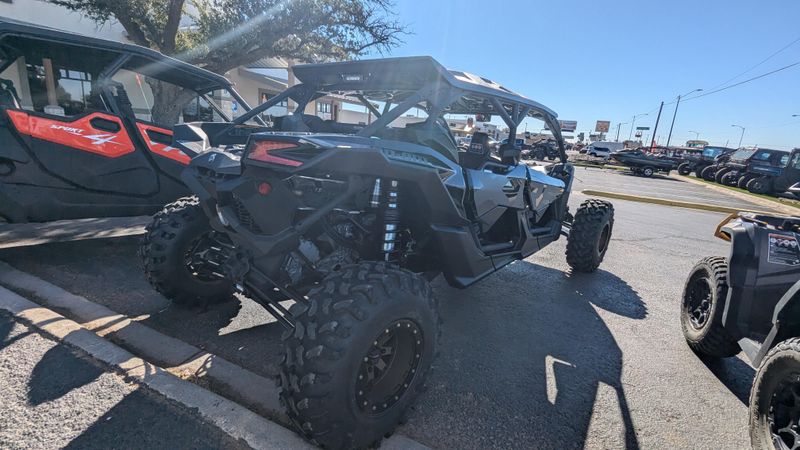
(684, 169)
(590, 235)
(760, 185)
(359, 353)
(708, 173)
(175, 251)
(775, 399)
(701, 309)
(648, 171)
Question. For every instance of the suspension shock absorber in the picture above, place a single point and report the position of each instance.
(391, 220)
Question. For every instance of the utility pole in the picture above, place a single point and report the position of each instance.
(633, 122)
(655, 129)
(619, 125)
(740, 137)
(669, 137)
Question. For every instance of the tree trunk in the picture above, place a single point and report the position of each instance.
(168, 102)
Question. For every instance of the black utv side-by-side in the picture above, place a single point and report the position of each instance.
(86, 124)
(750, 302)
(350, 222)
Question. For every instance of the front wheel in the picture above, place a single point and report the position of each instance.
(743, 180)
(590, 235)
(648, 171)
(684, 169)
(708, 173)
(358, 355)
(729, 179)
(701, 309)
(175, 251)
(719, 174)
(775, 399)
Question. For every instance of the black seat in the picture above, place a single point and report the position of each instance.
(478, 152)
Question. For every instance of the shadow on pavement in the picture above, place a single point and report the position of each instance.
(142, 421)
(735, 374)
(57, 373)
(524, 355)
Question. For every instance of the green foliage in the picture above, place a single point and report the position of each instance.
(222, 34)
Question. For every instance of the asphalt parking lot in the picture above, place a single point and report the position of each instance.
(531, 357)
(54, 397)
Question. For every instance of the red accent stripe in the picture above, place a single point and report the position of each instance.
(160, 149)
(78, 134)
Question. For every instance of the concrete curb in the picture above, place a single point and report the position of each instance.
(172, 356)
(187, 361)
(783, 209)
(665, 202)
(231, 418)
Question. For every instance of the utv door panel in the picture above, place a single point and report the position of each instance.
(158, 141)
(93, 151)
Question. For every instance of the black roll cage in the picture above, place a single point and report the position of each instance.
(445, 92)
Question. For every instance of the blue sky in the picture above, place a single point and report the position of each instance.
(608, 60)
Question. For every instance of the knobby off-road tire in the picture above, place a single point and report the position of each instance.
(719, 174)
(708, 173)
(684, 169)
(775, 398)
(590, 235)
(760, 185)
(702, 305)
(361, 318)
(729, 179)
(743, 180)
(169, 237)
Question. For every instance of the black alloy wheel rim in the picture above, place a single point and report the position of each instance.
(784, 414)
(389, 366)
(605, 236)
(699, 305)
(197, 257)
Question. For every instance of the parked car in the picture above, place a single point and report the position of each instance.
(748, 303)
(92, 139)
(602, 149)
(642, 163)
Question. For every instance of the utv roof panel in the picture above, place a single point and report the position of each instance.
(202, 79)
(396, 78)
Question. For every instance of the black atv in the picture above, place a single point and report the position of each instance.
(738, 170)
(709, 172)
(698, 162)
(86, 124)
(749, 302)
(350, 222)
(769, 179)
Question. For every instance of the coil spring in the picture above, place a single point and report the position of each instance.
(391, 219)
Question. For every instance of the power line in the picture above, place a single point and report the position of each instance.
(758, 64)
(743, 82)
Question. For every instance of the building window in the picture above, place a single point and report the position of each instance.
(324, 108)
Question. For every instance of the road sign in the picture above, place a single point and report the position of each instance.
(602, 126)
(567, 126)
(643, 128)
